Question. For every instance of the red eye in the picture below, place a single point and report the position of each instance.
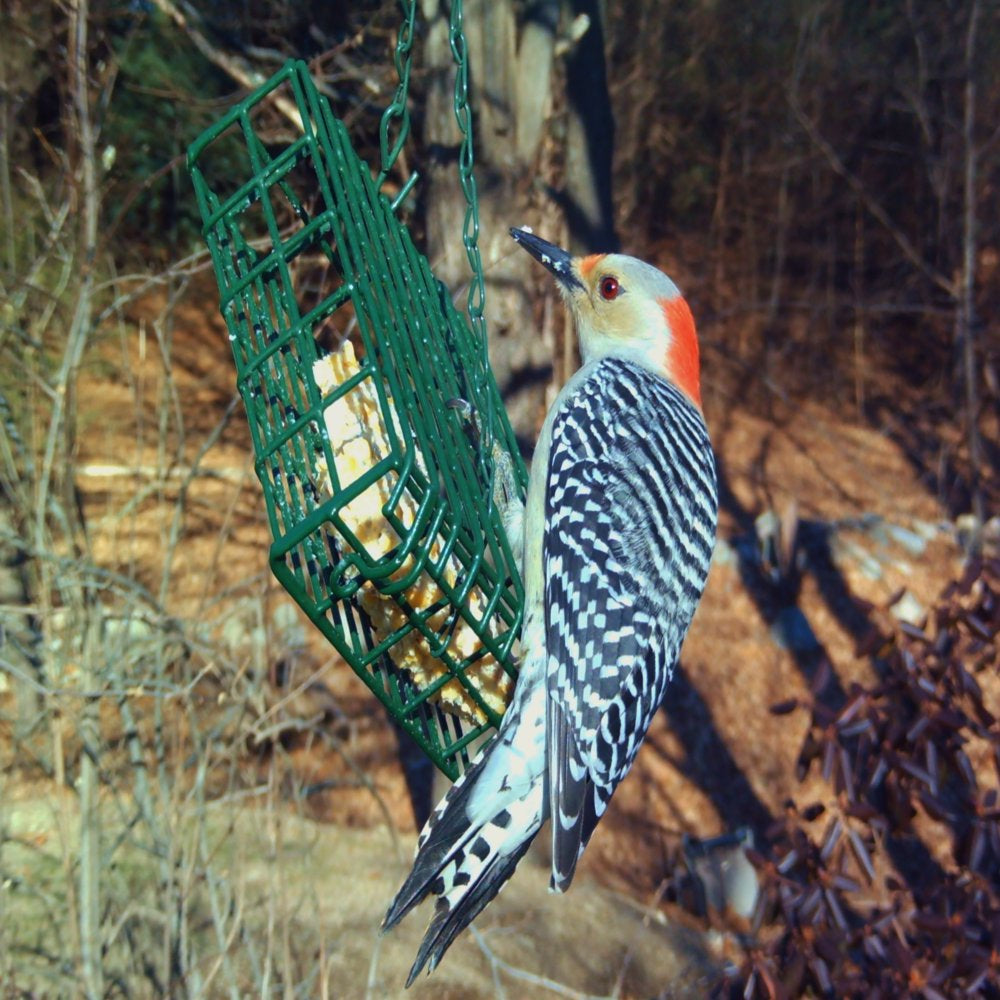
(609, 287)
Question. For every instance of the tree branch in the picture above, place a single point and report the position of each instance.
(241, 71)
(872, 205)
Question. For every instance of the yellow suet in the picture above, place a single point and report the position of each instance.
(358, 440)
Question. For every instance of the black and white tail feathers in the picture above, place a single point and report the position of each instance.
(476, 836)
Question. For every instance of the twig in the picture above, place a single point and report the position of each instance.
(874, 207)
(523, 976)
(178, 519)
(965, 332)
(237, 68)
(373, 969)
(286, 726)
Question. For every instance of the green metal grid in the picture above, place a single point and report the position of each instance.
(307, 250)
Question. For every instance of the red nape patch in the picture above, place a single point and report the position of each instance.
(682, 356)
(589, 263)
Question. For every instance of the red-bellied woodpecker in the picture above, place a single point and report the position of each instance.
(617, 538)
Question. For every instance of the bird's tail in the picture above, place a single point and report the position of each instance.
(476, 836)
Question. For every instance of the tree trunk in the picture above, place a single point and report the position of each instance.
(590, 137)
(511, 75)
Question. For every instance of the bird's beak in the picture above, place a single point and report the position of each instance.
(557, 260)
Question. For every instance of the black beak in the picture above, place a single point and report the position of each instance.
(557, 260)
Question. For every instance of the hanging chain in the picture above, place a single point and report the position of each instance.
(398, 114)
(470, 232)
(466, 177)
(398, 109)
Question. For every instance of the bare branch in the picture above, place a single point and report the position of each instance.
(237, 68)
(873, 206)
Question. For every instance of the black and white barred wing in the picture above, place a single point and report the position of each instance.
(631, 507)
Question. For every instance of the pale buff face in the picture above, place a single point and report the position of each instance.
(617, 303)
(623, 307)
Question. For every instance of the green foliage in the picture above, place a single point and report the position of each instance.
(166, 92)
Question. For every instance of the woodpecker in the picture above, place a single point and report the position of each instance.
(618, 532)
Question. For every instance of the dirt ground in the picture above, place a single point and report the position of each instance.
(715, 758)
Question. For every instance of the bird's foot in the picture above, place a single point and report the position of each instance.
(506, 493)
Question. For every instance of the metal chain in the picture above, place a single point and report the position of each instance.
(466, 177)
(398, 109)
(390, 149)
(470, 231)
(398, 112)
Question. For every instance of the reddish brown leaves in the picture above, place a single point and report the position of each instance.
(861, 906)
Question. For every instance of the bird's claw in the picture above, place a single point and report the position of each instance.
(469, 416)
(506, 495)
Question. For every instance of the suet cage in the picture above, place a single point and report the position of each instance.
(348, 351)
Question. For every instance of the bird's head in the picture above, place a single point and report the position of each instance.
(624, 308)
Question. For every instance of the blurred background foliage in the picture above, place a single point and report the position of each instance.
(808, 157)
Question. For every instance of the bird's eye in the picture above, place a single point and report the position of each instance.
(609, 287)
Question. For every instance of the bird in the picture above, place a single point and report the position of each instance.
(618, 531)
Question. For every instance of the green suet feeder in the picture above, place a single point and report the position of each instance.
(347, 353)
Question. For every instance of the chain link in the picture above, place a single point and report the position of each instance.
(398, 113)
(466, 177)
(470, 231)
(399, 108)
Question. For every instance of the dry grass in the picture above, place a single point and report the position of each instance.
(275, 904)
